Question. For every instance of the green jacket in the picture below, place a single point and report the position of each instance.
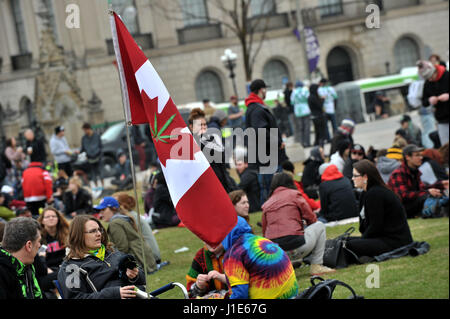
(127, 240)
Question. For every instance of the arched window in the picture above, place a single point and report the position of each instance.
(406, 52)
(339, 66)
(209, 86)
(275, 74)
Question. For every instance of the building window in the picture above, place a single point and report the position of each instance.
(330, 7)
(406, 53)
(126, 9)
(19, 26)
(209, 86)
(194, 12)
(51, 19)
(275, 74)
(262, 7)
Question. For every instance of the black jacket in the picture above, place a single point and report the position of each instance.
(435, 89)
(14, 276)
(384, 217)
(258, 116)
(81, 204)
(103, 274)
(39, 154)
(250, 185)
(337, 199)
(311, 175)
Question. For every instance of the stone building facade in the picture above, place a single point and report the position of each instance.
(186, 49)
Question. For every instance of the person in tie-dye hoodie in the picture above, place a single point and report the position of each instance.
(257, 268)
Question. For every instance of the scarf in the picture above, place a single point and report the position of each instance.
(253, 98)
(99, 252)
(26, 277)
(440, 69)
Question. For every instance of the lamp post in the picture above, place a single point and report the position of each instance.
(229, 61)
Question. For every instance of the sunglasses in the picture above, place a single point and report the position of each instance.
(357, 153)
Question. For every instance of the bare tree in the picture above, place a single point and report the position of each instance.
(235, 15)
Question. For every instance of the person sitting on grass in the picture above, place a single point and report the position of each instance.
(289, 221)
(77, 200)
(256, 268)
(124, 233)
(206, 275)
(55, 232)
(337, 199)
(102, 271)
(382, 217)
(289, 168)
(128, 203)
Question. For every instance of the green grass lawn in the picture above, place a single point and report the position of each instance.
(422, 277)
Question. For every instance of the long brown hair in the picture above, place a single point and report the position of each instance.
(76, 241)
(62, 228)
(236, 196)
(366, 167)
(127, 203)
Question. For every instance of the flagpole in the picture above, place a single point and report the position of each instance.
(125, 103)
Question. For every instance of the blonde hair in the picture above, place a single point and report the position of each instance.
(76, 180)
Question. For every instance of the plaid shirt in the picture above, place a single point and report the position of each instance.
(407, 183)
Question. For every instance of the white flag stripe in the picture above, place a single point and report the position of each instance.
(180, 175)
(123, 82)
(148, 80)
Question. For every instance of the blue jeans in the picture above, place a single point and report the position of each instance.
(264, 184)
(332, 118)
(428, 125)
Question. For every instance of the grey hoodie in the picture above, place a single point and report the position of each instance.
(386, 166)
(58, 147)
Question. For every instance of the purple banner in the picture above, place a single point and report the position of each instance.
(312, 48)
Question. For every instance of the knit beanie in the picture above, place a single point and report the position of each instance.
(394, 153)
(426, 69)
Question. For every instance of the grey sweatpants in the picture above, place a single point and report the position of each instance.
(315, 237)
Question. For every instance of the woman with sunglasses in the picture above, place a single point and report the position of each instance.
(93, 269)
(382, 218)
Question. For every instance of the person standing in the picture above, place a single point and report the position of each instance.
(299, 99)
(235, 114)
(61, 150)
(258, 117)
(37, 187)
(287, 100)
(436, 93)
(21, 242)
(35, 148)
(315, 103)
(330, 95)
(91, 144)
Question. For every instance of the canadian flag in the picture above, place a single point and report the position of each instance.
(198, 196)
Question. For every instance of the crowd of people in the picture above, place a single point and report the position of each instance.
(49, 224)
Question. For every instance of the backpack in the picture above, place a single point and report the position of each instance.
(324, 289)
